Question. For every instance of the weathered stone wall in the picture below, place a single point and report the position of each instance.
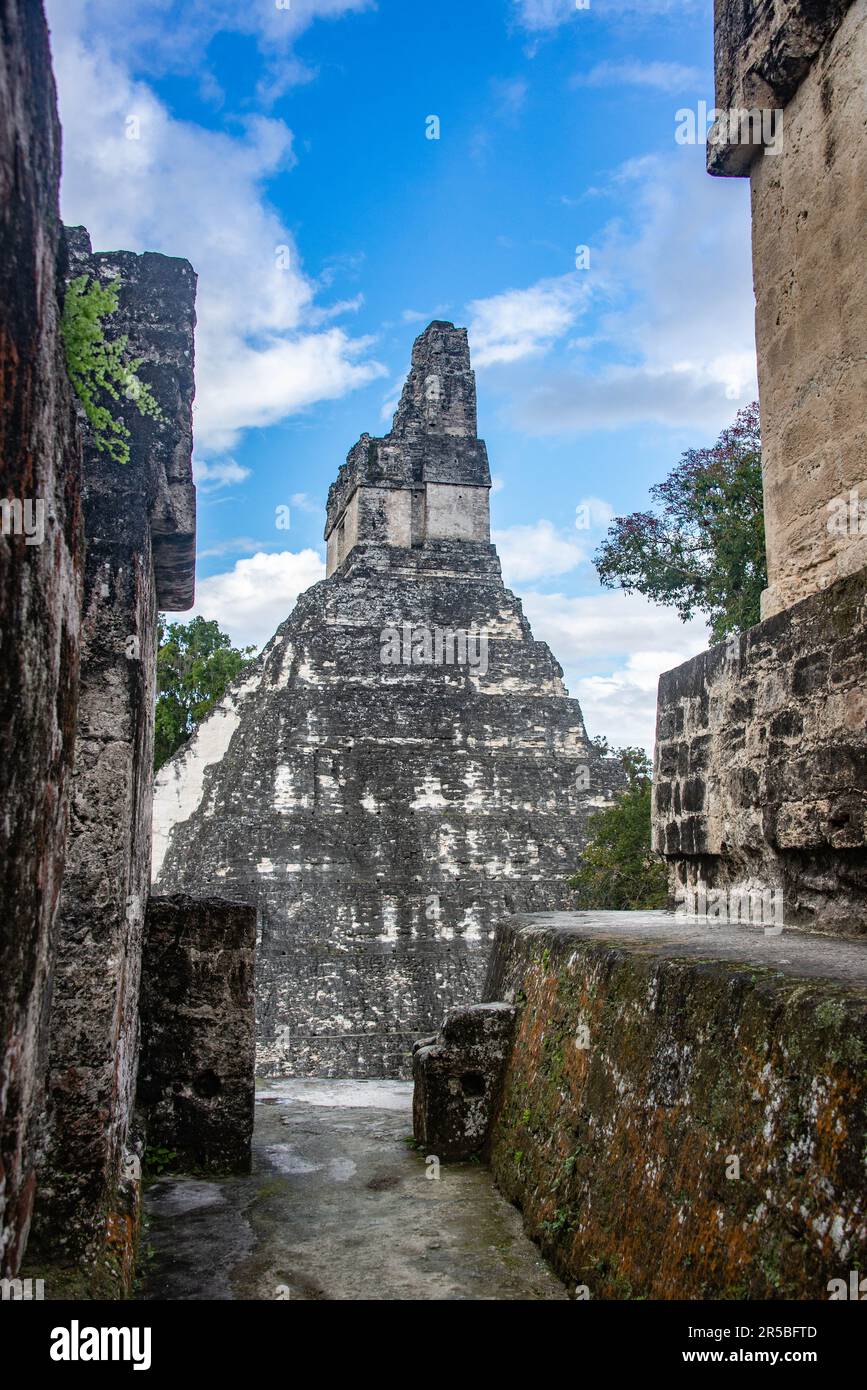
(140, 523)
(196, 1086)
(40, 586)
(761, 761)
(385, 815)
(809, 214)
(763, 51)
(684, 1111)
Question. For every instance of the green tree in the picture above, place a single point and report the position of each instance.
(619, 871)
(195, 664)
(702, 549)
(97, 367)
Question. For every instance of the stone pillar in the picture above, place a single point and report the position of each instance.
(801, 67)
(140, 524)
(196, 1085)
(41, 561)
(457, 1077)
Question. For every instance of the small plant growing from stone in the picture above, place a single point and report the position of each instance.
(97, 367)
(158, 1160)
(561, 1222)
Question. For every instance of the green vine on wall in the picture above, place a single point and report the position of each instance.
(97, 367)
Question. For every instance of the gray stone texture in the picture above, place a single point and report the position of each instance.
(809, 206)
(761, 761)
(385, 817)
(140, 522)
(339, 1208)
(457, 1077)
(40, 588)
(196, 1086)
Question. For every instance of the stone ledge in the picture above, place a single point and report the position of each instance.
(651, 1061)
(762, 53)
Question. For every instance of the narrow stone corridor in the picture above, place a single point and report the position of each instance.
(339, 1205)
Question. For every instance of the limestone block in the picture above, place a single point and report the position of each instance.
(457, 1077)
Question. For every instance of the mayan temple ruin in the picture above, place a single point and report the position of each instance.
(400, 769)
(342, 910)
(687, 1090)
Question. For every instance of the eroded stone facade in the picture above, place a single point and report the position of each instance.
(761, 762)
(809, 201)
(683, 1108)
(140, 525)
(385, 807)
(458, 1075)
(41, 566)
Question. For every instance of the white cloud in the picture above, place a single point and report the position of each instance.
(593, 513)
(523, 323)
(666, 77)
(670, 290)
(236, 545)
(244, 384)
(174, 35)
(220, 473)
(535, 552)
(186, 190)
(625, 635)
(510, 96)
(540, 15)
(305, 503)
(251, 600)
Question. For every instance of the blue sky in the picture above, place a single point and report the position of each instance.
(283, 149)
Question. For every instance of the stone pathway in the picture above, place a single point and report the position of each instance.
(339, 1206)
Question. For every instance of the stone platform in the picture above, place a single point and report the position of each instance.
(683, 1113)
(339, 1206)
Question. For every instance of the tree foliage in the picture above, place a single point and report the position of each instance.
(195, 664)
(619, 871)
(96, 366)
(702, 548)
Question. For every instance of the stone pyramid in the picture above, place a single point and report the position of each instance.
(400, 768)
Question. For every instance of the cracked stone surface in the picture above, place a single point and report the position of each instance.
(339, 1206)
